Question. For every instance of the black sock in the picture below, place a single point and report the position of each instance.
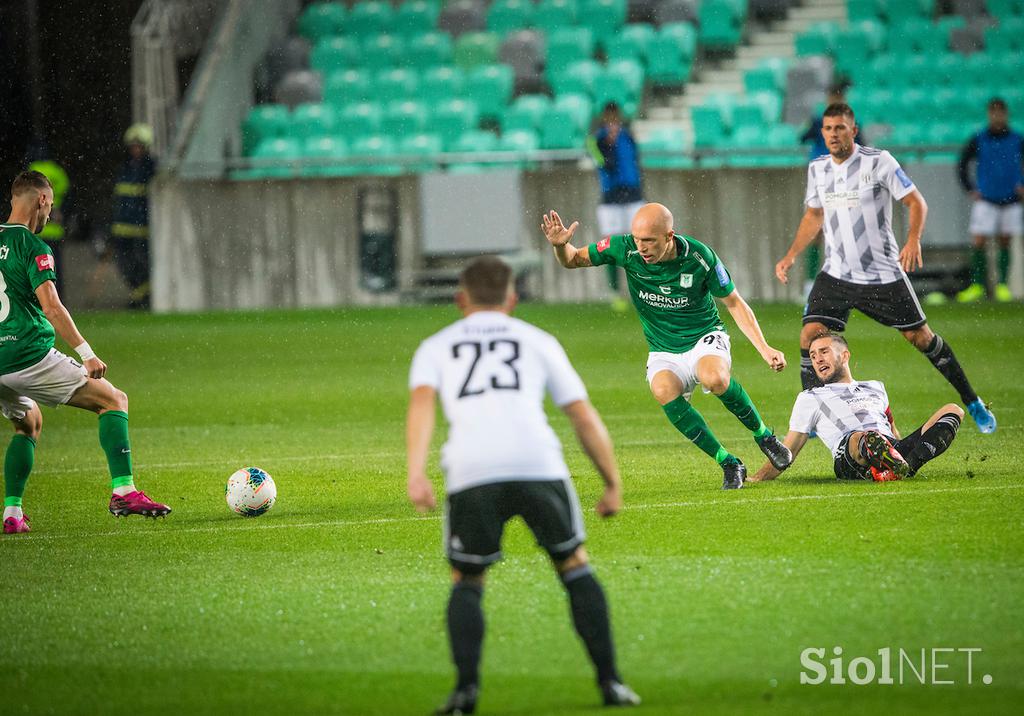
(808, 377)
(466, 631)
(941, 356)
(934, 441)
(590, 615)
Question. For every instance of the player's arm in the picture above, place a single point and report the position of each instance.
(597, 443)
(910, 255)
(795, 442)
(743, 314)
(419, 428)
(559, 237)
(64, 325)
(969, 154)
(810, 225)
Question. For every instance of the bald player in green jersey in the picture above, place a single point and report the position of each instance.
(32, 371)
(673, 281)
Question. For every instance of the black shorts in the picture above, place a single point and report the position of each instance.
(891, 304)
(846, 468)
(475, 520)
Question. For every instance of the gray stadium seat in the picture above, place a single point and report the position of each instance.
(462, 16)
(769, 9)
(524, 52)
(966, 40)
(298, 87)
(806, 82)
(641, 11)
(287, 56)
(676, 11)
(969, 8)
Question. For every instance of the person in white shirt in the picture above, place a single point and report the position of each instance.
(849, 196)
(853, 419)
(502, 459)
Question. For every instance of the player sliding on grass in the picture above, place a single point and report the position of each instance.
(853, 419)
(32, 371)
(502, 459)
(672, 279)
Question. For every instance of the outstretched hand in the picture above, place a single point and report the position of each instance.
(555, 231)
(776, 359)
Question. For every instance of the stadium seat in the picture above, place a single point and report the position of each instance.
(1007, 37)
(632, 72)
(552, 14)
(522, 142)
(441, 83)
(265, 121)
(396, 83)
(383, 51)
(818, 39)
(326, 148)
(415, 17)
(615, 88)
(710, 128)
(667, 65)
(312, 120)
(899, 10)
(602, 17)
(491, 88)
(526, 112)
(472, 142)
(507, 16)
(720, 24)
(370, 17)
(475, 49)
(578, 77)
(567, 45)
(298, 87)
(378, 147)
(682, 34)
(429, 49)
(523, 51)
(857, 10)
(462, 16)
(768, 76)
(334, 53)
(672, 11)
(578, 106)
(559, 130)
(429, 146)
(347, 86)
(279, 148)
(1005, 8)
(920, 35)
(404, 118)
(322, 19)
(630, 43)
(665, 148)
(358, 119)
(451, 118)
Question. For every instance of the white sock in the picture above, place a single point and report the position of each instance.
(124, 490)
(15, 512)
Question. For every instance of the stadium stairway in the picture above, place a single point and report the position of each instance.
(776, 39)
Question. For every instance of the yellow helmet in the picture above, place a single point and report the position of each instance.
(139, 133)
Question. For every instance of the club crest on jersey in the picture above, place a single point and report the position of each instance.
(44, 262)
(604, 243)
(867, 178)
(686, 280)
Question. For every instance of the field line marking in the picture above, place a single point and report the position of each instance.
(247, 527)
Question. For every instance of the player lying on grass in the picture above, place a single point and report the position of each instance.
(502, 459)
(32, 371)
(672, 280)
(853, 419)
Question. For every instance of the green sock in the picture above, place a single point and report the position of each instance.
(613, 277)
(979, 267)
(690, 423)
(1003, 263)
(115, 443)
(736, 400)
(21, 454)
(812, 260)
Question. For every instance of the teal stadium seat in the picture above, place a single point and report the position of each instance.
(578, 106)
(441, 83)
(818, 39)
(471, 142)
(415, 17)
(325, 149)
(312, 120)
(710, 128)
(721, 24)
(768, 76)
(453, 117)
(684, 34)
(550, 15)
(322, 19)
(899, 10)
(430, 49)
(526, 112)
(1006, 38)
(281, 149)
(579, 76)
(560, 131)
(603, 17)
(665, 148)
(383, 51)
(348, 86)
(521, 141)
(667, 65)
(396, 83)
(614, 88)
(476, 49)
(857, 10)
(378, 147)
(404, 118)
(920, 35)
(630, 43)
(425, 145)
(331, 54)
(359, 119)
(1005, 8)
(507, 16)
(491, 88)
(568, 45)
(369, 18)
(264, 121)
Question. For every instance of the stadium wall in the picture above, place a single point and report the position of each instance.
(220, 244)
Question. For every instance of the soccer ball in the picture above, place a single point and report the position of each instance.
(250, 492)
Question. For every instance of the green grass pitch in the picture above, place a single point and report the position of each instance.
(333, 602)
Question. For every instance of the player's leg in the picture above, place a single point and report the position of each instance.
(474, 520)
(812, 264)
(552, 511)
(27, 420)
(867, 455)
(828, 308)
(1002, 292)
(101, 397)
(984, 218)
(669, 390)
(933, 438)
(942, 357)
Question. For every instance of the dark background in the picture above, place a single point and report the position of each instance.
(84, 93)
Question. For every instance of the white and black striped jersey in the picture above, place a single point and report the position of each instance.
(837, 409)
(491, 372)
(857, 197)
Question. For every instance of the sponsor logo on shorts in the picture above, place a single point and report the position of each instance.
(44, 262)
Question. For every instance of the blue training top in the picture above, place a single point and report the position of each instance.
(620, 170)
(999, 156)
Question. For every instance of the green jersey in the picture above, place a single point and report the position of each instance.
(25, 262)
(673, 298)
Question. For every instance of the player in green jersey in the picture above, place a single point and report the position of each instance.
(32, 371)
(673, 281)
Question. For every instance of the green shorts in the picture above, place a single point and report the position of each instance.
(475, 520)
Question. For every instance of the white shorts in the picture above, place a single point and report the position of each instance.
(616, 218)
(52, 381)
(684, 365)
(989, 219)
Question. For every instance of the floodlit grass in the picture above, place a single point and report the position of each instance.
(334, 601)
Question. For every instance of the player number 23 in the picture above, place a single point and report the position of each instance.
(506, 378)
